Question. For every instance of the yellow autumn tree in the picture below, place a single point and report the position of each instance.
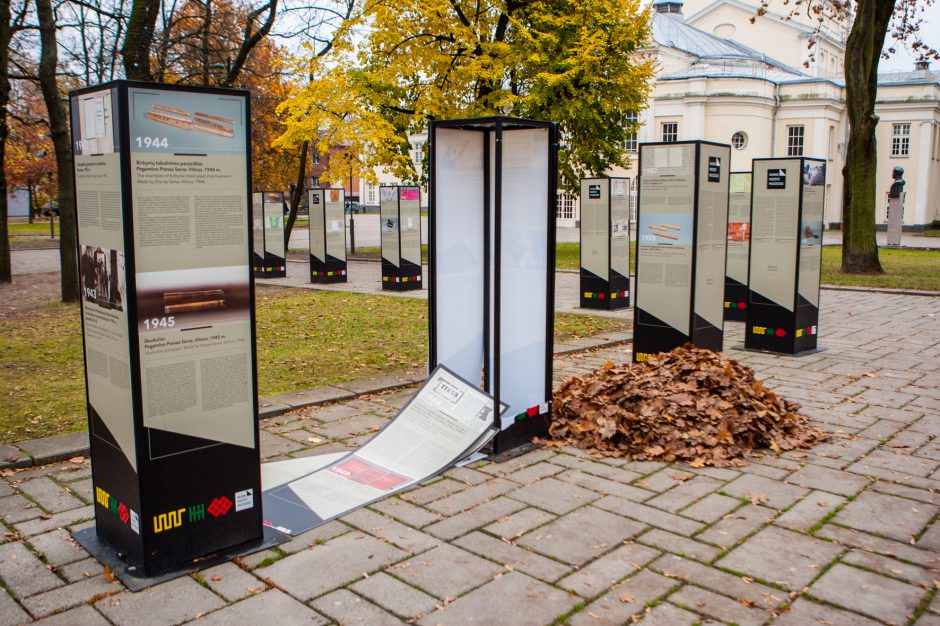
(399, 63)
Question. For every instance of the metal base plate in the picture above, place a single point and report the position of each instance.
(803, 353)
(136, 581)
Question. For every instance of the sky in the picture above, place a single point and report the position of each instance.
(903, 60)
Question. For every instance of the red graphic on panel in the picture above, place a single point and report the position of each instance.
(219, 506)
(123, 513)
(739, 231)
(364, 473)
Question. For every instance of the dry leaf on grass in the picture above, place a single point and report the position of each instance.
(690, 404)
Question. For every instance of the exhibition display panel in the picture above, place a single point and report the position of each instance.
(268, 245)
(492, 259)
(739, 238)
(682, 225)
(605, 243)
(326, 211)
(785, 254)
(162, 181)
(400, 226)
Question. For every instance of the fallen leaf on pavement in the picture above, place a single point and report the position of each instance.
(757, 498)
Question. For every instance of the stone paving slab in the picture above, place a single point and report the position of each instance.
(55, 448)
(846, 533)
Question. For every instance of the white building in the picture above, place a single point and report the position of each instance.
(714, 83)
(761, 88)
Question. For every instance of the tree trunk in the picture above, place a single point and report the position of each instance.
(6, 270)
(62, 142)
(297, 194)
(139, 39)
(862, 54)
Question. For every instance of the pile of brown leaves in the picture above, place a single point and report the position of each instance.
(690, 405)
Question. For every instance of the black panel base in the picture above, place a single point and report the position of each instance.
(803, 353)
(512, 453)
(606, 304)
(327, 280)
(134, 580)
(651, 335)
(401, 283)
(734, 312)
(705, 335)
(273, 267)
(403, 277)
(602, 294)
(772, 328)
(523, 431)
(736, 299)
(332, 271)
(276, 271)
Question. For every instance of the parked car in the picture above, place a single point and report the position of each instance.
(50, 208)
(355, 207)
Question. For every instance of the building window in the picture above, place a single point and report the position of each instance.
(417, 153)
(900, 140)
(370, 193)
(630, 144)
(739, 140)
(565, 209)
(315, 158)
(670, 132)
(795, 140)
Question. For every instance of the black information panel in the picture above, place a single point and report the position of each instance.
(682, 225)
(492, 260)
(268, 245)
(605, 243)
(400, 226)
(162, 183)
(739, 239)
(327, 235)
(785, 254)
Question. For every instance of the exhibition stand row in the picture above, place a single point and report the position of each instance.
(712, 245)
(400, 227)
(171, 235)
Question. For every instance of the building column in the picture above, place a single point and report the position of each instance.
(916, 212)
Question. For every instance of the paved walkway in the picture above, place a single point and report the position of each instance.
(844, 534)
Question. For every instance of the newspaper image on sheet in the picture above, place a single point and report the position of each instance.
(446, 420)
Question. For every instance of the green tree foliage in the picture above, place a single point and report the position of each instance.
(398, 64)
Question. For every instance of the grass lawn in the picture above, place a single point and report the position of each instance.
(904, 269)
(568, 255)
(305, 339)
(37, 229)
(933, 232)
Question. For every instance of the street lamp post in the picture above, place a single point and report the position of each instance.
(352, 216)
(42, 154)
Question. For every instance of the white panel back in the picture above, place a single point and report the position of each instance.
(523, 271)
(458, 242)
